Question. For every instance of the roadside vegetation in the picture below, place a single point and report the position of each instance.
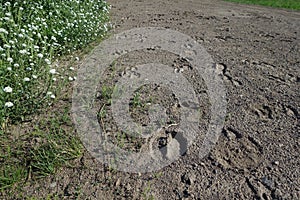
(289, 4)
(41, 43)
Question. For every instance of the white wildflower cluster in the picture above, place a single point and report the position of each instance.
(8, 89)
(51, 95)
(33, 34)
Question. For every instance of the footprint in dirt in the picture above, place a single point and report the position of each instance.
(238, 150)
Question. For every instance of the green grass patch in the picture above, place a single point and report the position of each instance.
(289, 4)
(33, 37)
(40, 45)
(29, 153)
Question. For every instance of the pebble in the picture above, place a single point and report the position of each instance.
(118, 182)
(187, 179)
(268, 182)
(53, 185)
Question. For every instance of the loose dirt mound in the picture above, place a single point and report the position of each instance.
(257, 157)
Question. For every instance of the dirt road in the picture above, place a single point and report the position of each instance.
(257, 156)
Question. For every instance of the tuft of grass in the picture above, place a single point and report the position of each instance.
(106, 93)
(146, 193)
(289, 4)
(38, 152)
(136, 102)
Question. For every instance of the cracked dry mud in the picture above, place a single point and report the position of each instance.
(257, 51)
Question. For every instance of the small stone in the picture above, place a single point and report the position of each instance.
(133, 69)
(128, 187)
(267, 182)
(187, 179)
(118, 52)
(245, 61)
(290, 113)
(186, 67)
(276, 162)
(195, 165)
(53, 185)
(219, 68)
(118, 182)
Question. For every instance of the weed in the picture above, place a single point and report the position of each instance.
(137, 100)
(106, 93)
(40, 152)
(146, 192)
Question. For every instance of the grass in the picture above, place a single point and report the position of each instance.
(289, 4)
(136, 102)
(41, 43)
(38, 151)
(33, 37)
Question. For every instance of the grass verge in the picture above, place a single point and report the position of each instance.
(39, 52)
(288, 4)
(29, 153)
(33, 37)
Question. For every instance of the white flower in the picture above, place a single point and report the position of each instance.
(40, 55)
(52, 96)
(48, 61)
(16, 65)
(34, 76)
(7, 46)
(77, 58)
(52, 71)
(74, 77)
(54, 79)
(10, 60)
(9, 68)
(8, 89)
(2, 30)
(72, 68)
(26, 79)
(70, 78)
(24, 51)
(8, 104)
(49, 93)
